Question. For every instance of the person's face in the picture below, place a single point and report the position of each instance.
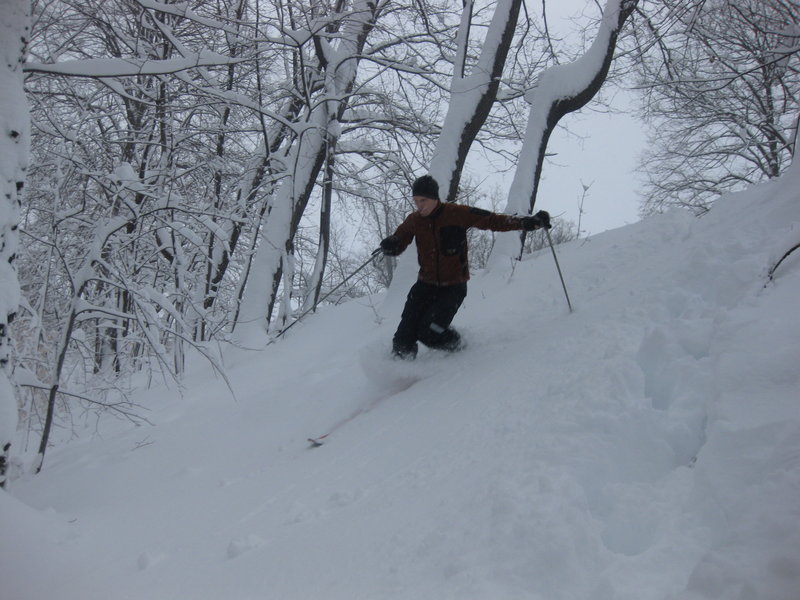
(425, 206)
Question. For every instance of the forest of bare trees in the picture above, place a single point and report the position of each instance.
(201, 172)
(721, 83)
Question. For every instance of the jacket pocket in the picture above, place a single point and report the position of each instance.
(453, 240)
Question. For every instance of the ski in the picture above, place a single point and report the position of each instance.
(317, 442)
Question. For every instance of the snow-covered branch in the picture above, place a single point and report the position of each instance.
(98, 68)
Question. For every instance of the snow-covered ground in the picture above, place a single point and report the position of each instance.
(644, 447)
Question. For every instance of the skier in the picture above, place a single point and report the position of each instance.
(440, 230)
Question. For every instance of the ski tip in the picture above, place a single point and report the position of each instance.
(315, 443)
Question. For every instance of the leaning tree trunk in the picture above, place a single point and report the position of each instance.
(471, 98)
(14, 143)
(559, 91)
(477, 91)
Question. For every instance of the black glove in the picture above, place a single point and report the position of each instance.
(537, 221)
(391, 246)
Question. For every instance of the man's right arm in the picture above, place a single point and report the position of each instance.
(396, 243)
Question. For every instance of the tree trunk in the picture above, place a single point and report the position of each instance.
(477, 90)
(66, 336)
(559, 91)
(318, 275)
(14, 144)
(304, 159)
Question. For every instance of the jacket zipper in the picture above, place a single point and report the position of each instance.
(438, 250)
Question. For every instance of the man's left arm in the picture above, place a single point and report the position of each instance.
(484, 219)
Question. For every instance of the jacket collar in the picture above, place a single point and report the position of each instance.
(436, 211)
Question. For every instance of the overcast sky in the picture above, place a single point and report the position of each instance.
(600, 149)
(605, 160)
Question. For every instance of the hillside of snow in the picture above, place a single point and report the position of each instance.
(644, 447)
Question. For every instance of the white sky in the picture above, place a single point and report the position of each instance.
(600, 149)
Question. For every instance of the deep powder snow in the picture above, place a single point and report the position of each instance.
(644, 447)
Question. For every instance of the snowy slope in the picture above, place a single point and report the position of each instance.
(646, 446)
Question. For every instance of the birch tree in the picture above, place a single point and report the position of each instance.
(14, 140)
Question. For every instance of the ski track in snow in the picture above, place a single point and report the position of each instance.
(646, 446)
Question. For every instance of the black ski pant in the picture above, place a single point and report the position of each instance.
(427, 315)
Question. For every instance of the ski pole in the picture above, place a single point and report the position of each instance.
(325, 297)
(553, 250)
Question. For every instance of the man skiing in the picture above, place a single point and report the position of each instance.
(440, 231)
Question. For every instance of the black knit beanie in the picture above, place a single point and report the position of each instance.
(425, 186)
